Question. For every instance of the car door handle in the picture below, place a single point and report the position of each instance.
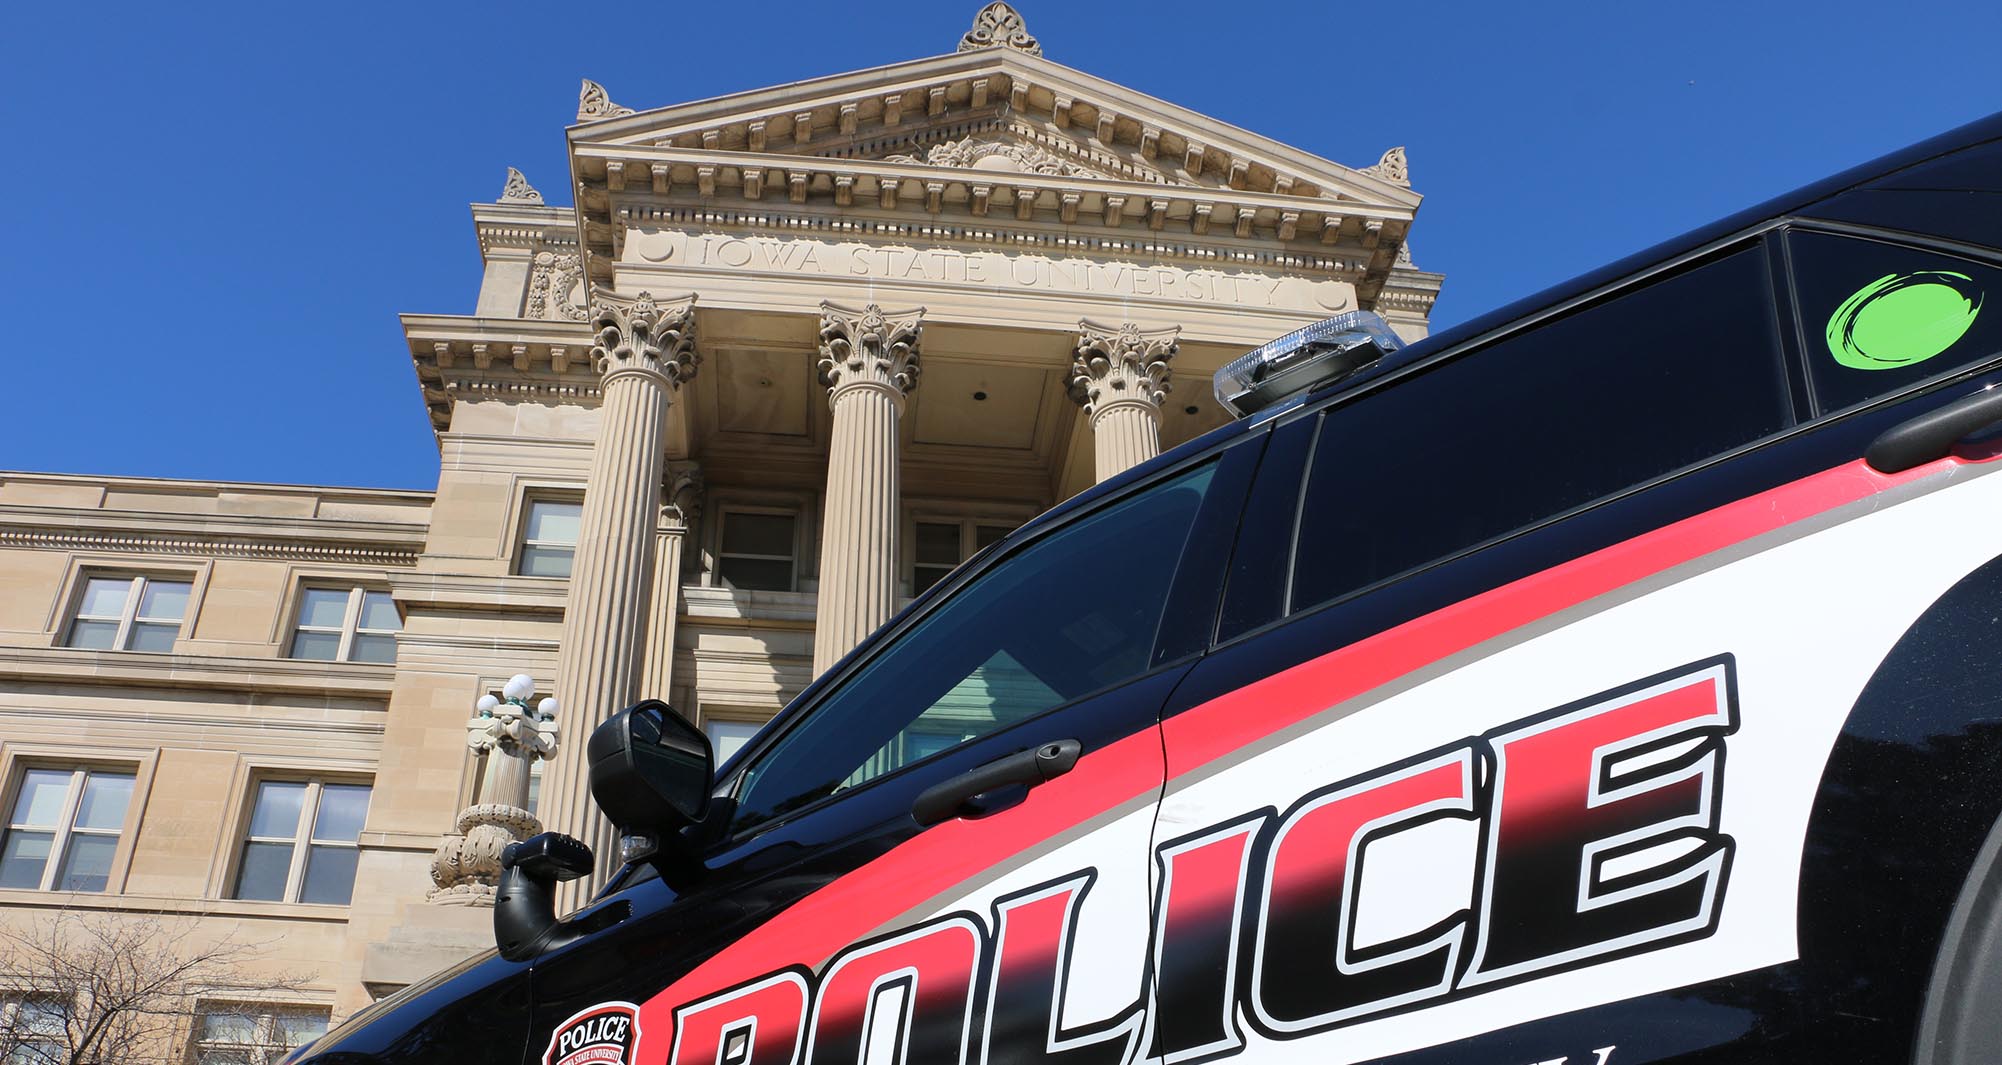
(1933, 434)
(952, 798)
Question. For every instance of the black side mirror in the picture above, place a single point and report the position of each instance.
(651, 772)
(525, 900)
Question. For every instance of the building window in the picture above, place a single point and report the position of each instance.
(938, 546)
(62, 832)
(549, 537)
(129, 614)
(301, 846)
(728, 737)
(757, 550)
(232, 1034)
(346, 625)
(34, 1030)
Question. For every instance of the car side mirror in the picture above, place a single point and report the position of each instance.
(651, 772)
(525, 899)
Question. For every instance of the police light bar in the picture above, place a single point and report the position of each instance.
(1325, 351)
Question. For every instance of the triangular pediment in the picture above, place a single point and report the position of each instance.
(994, 130)
(993, 104)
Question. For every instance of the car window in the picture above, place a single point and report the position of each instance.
(1878, 317)
(1540, 423)
(1074, 612)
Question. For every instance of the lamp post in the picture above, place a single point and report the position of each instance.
(512, 737)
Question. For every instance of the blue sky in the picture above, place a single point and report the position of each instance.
(217, 211)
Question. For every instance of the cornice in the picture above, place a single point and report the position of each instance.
(865, 180)
(326, 540)
(1411, 290)
(327, 493)
(527, 359)
(523, 228)
(981, 235)
(1081, 210)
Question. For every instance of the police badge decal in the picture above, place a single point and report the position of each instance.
(604, 1034)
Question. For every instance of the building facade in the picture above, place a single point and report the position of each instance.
(791, 356)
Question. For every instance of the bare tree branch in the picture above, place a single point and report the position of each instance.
(101, 988)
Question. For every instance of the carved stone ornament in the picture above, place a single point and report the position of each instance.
(682, 495)
(594, 104)
(1122, 363)
(997, 154)
(999, 25)
(1391, 168)
(510, 738)
(1404, 256)
(869, 346)
(553, 281)
(518, 190)
(640, 333)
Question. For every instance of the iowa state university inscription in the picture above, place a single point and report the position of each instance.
(940, 266)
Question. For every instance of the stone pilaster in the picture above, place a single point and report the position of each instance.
(644, 350)
(1119, 376)
(679, 516)
(869, 363)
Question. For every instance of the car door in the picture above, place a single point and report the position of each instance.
(826, 923)
(1513, 744)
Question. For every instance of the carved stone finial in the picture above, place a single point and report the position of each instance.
(518, 190)
(1121, 364)
(999, 25)
(594, 104)
(870, 346)
(1391, 167)
(644, 335)
(1404, 255)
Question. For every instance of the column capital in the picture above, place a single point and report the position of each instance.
(1121, 364)
(681, 496)
(869, 346)
(641, 334)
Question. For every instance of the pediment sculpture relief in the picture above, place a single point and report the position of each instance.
(997, 154)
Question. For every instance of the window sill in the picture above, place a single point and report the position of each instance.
(76, 665)
(735, 604)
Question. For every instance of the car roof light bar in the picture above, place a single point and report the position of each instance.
(1305, 358)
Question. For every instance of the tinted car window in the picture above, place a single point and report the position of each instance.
(1877, 318)
(1540, 423)
(1067, 615)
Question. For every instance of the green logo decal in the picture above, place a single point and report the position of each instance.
(1898, 320)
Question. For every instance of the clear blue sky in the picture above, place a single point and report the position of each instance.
(215, 212)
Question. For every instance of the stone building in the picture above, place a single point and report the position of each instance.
(791, 356)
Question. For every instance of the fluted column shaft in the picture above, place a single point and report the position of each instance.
(1125, 435)
(869, 362)
(1119, 376)
(645, 350)
(663, 608)
(858, 540)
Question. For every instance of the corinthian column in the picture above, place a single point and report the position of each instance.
(869, 362)
(644, 349)
(677, 519)
(1119, 376)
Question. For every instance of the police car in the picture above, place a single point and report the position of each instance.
(1616, 678)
